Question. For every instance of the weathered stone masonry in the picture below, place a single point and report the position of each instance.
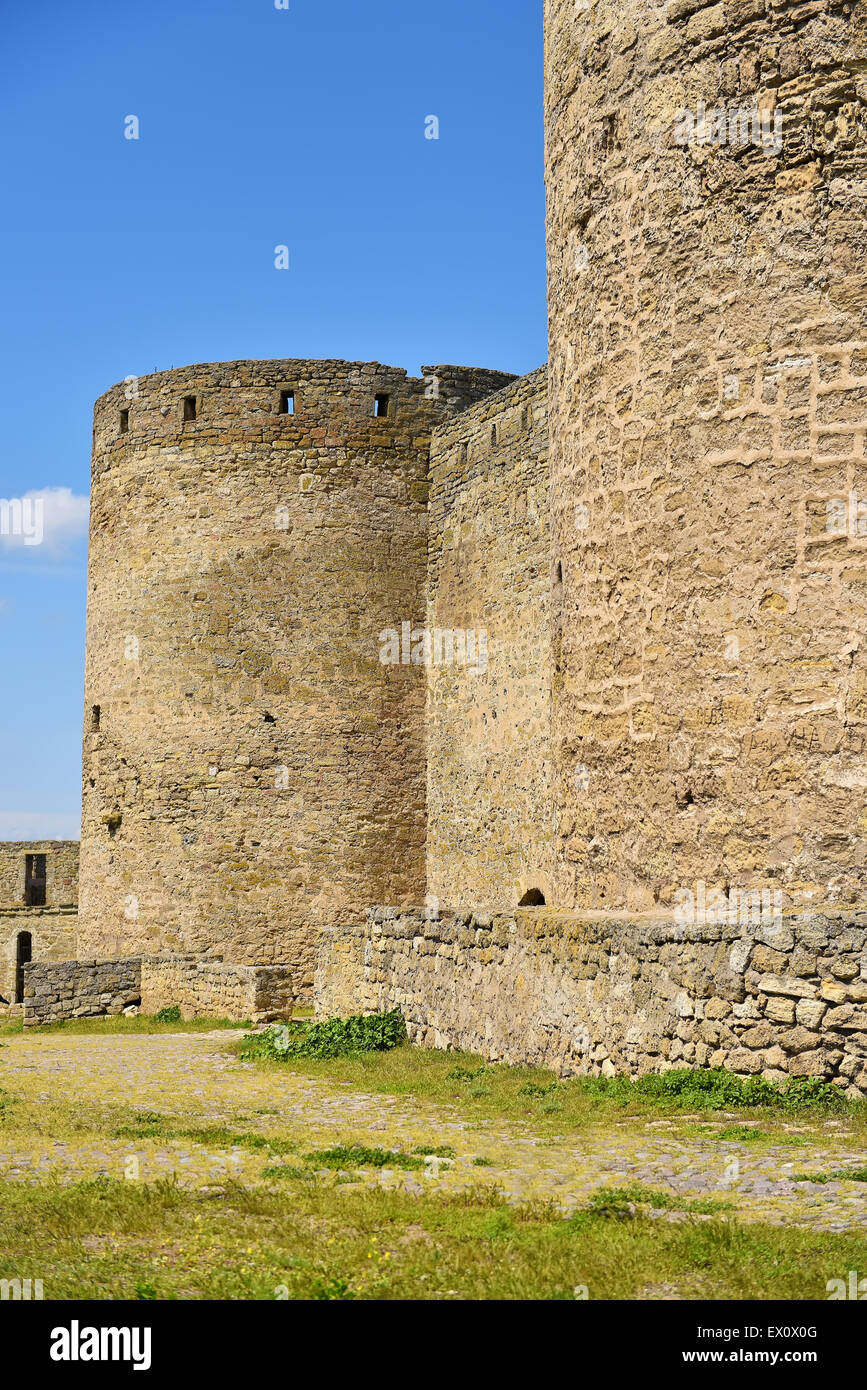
(38, 917)
(199, 988)
(490, 832)
(251, 770)
(606, 995)
(675, 685)
(708, 356)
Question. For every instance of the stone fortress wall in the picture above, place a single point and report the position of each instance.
(251, 768)
(708, 335)
(489, 840)
(37, 917)
(662, 539)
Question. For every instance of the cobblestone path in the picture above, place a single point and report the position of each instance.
(193, 1081)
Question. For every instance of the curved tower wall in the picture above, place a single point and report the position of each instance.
(708, 333)
(252, 771)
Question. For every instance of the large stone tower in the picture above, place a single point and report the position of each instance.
(707, 188)
(251, 769)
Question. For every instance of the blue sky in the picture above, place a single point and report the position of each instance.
(259, 127)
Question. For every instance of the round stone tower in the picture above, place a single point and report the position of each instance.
(707, 198)
(252, 769)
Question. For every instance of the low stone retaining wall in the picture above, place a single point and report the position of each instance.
(204, 987)
(79, 989)
(200, 987)
(606, 994)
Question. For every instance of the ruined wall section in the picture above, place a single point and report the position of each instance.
(708, 326)
(489, 838)
(251, 769)
(53, 937)
(61, 864)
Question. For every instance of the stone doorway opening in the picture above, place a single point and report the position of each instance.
(23, 956)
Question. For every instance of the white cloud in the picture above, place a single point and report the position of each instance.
(44, 521)
(40, 825)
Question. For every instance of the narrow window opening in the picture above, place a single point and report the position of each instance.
(287, 402)
(35, 879)
(464, 452)
(124, 422)
(532, 898)
(190, 407)
(380, 405)
(559, 575)
(23, 956)
(95, 716)
(493, 434)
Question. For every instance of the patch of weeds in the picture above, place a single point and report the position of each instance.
(170, 1015)
(332, 1290)
(478, 1092)
(286, 1171)
(435, 1150)
(500, 1223)
(481, 1162)
(713, 1088)
(532, 1088)
(359, 1156)
(740, 1134)
(477, 1195)
(150, 1126)
(624, 1202)
(146, 1290)
(465, 1073)
(836, 1175)
(338, 1037)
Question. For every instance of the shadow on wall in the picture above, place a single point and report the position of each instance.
(532, 898)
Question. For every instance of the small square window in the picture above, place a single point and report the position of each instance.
(287, 402)
(380, 405)
(124, 422)
(190, 407)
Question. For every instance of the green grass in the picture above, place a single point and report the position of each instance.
(709, 1104)
(320, 1227)
(836, 1175)
(627, 1201)
(319, 1240)
(151, 1126)
(359, 1156)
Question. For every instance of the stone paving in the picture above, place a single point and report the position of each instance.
(195, 1082)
